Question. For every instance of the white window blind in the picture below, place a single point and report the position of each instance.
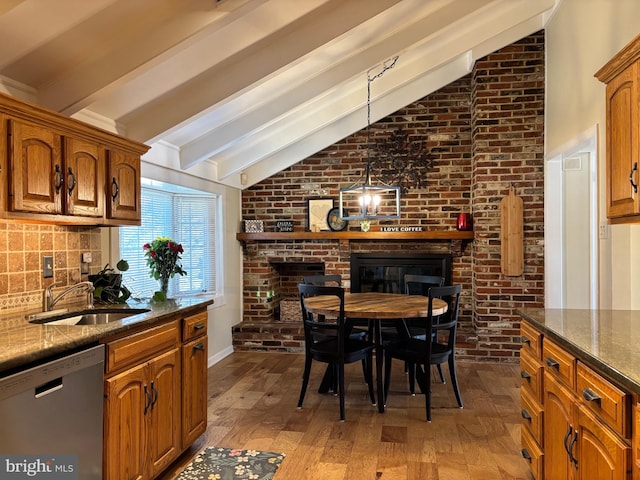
(189, 219)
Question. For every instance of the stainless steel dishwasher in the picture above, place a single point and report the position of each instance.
(56, 409)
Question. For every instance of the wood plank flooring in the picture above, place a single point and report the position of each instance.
(252, 405)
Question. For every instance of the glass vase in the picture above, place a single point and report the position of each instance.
(164, 286)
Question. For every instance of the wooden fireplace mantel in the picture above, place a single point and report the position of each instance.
(354, 235)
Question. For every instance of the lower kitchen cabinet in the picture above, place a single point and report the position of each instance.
(194, 377)
(142, 419)
(155, 397)
(585, 419)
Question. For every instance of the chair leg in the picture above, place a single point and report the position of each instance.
(364, 368)
(387, 376)
(305, 379)
(369, 374)
(427, 393)
(454, 379)
(412, 379)
(341, 389)
(440, 372)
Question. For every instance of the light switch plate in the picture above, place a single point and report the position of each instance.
(47, 266)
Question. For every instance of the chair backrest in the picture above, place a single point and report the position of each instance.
(420, 284)
(448, 320)
(322, 280)
(314, 323)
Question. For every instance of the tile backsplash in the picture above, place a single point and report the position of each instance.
(22, 247)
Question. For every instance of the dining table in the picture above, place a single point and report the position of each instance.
(376, 307)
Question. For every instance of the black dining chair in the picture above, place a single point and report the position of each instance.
(432, 350)
(338, 349)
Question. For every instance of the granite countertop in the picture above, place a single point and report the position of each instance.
(23, 343)
(608, 340)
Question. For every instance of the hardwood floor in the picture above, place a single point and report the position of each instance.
(252, 405)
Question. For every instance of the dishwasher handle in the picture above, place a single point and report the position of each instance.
(48, 388)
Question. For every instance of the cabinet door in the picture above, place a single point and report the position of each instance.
(559, 429)
(165, 410)
(622, 143)
(36, 171)
(126, 424)
(194, 390)
(84, 178)
(602, 453)
(123, 186)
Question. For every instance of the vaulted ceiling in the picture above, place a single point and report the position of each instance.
(245, 88)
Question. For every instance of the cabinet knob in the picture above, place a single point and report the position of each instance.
(58, 178)
(115, 190)
(525, 375)
(634, 185)
(198, 346)
(526, 455)
(551, 362)
(198, 326)
(591, 396)
(71, 180)
(525, 340)
(525, 414)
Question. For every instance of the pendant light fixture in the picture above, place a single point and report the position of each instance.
(372, 201)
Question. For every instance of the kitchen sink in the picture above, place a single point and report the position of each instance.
(86, 317)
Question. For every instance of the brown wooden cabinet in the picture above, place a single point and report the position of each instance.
(142, 403)
(194, 377)
(124, 186)
(60, 170)
(155, 396)
(622, 76)
(585, 418)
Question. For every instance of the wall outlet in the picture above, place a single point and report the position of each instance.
(47, 266)
(603, 231)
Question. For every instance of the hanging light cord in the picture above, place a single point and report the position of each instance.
(370, 79)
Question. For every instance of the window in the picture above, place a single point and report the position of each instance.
(187, 216)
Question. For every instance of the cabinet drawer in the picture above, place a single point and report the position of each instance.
(194, 326)
(531, 376)
(532, 454)
(532, 416)
(531, 340)
(559, 362)
(141, 346)
(605, 399)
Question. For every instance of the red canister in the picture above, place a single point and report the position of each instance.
(465, 222)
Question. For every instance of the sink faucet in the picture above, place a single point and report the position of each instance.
(49, 301)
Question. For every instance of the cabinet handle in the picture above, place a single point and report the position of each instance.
(198, 346)
(573, 459)
(115, 190)
(199, 326)
(154, 395)
(147, 396)
(58, 178)
(552, 363)
(566, 437)
(635, 187)
(526, 455)
(71, 179)
(525, 375)
(526, 415)
(525, 340)
(591, 396)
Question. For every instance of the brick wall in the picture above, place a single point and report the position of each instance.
(484, 132)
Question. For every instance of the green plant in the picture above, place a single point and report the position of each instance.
(108, 284)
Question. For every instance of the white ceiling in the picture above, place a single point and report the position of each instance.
(245, 86)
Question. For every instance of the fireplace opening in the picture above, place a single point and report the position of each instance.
(285, 302)
(373, 272)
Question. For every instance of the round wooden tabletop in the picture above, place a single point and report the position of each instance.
(376, 305)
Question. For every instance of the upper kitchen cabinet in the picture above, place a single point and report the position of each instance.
(55, 169)
(124, 186)
(622, 76)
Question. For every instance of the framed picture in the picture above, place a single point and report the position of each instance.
(317, 210)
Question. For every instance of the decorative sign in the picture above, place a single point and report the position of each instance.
(253, 226)
(284, 226)
(399, 228)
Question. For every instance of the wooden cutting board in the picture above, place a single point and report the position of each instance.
(511, 235)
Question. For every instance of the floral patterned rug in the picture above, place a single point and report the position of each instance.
(231, 464)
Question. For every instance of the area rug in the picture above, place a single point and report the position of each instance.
(231, 464)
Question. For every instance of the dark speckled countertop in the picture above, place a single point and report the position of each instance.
(608, 340)
(23, 343)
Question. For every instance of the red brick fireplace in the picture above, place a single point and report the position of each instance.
(485, 133)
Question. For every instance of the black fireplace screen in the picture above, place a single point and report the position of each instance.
(385, 272)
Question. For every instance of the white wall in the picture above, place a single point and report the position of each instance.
(162, 163)
(581, 37)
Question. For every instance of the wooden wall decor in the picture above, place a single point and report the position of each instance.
(511, 235)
